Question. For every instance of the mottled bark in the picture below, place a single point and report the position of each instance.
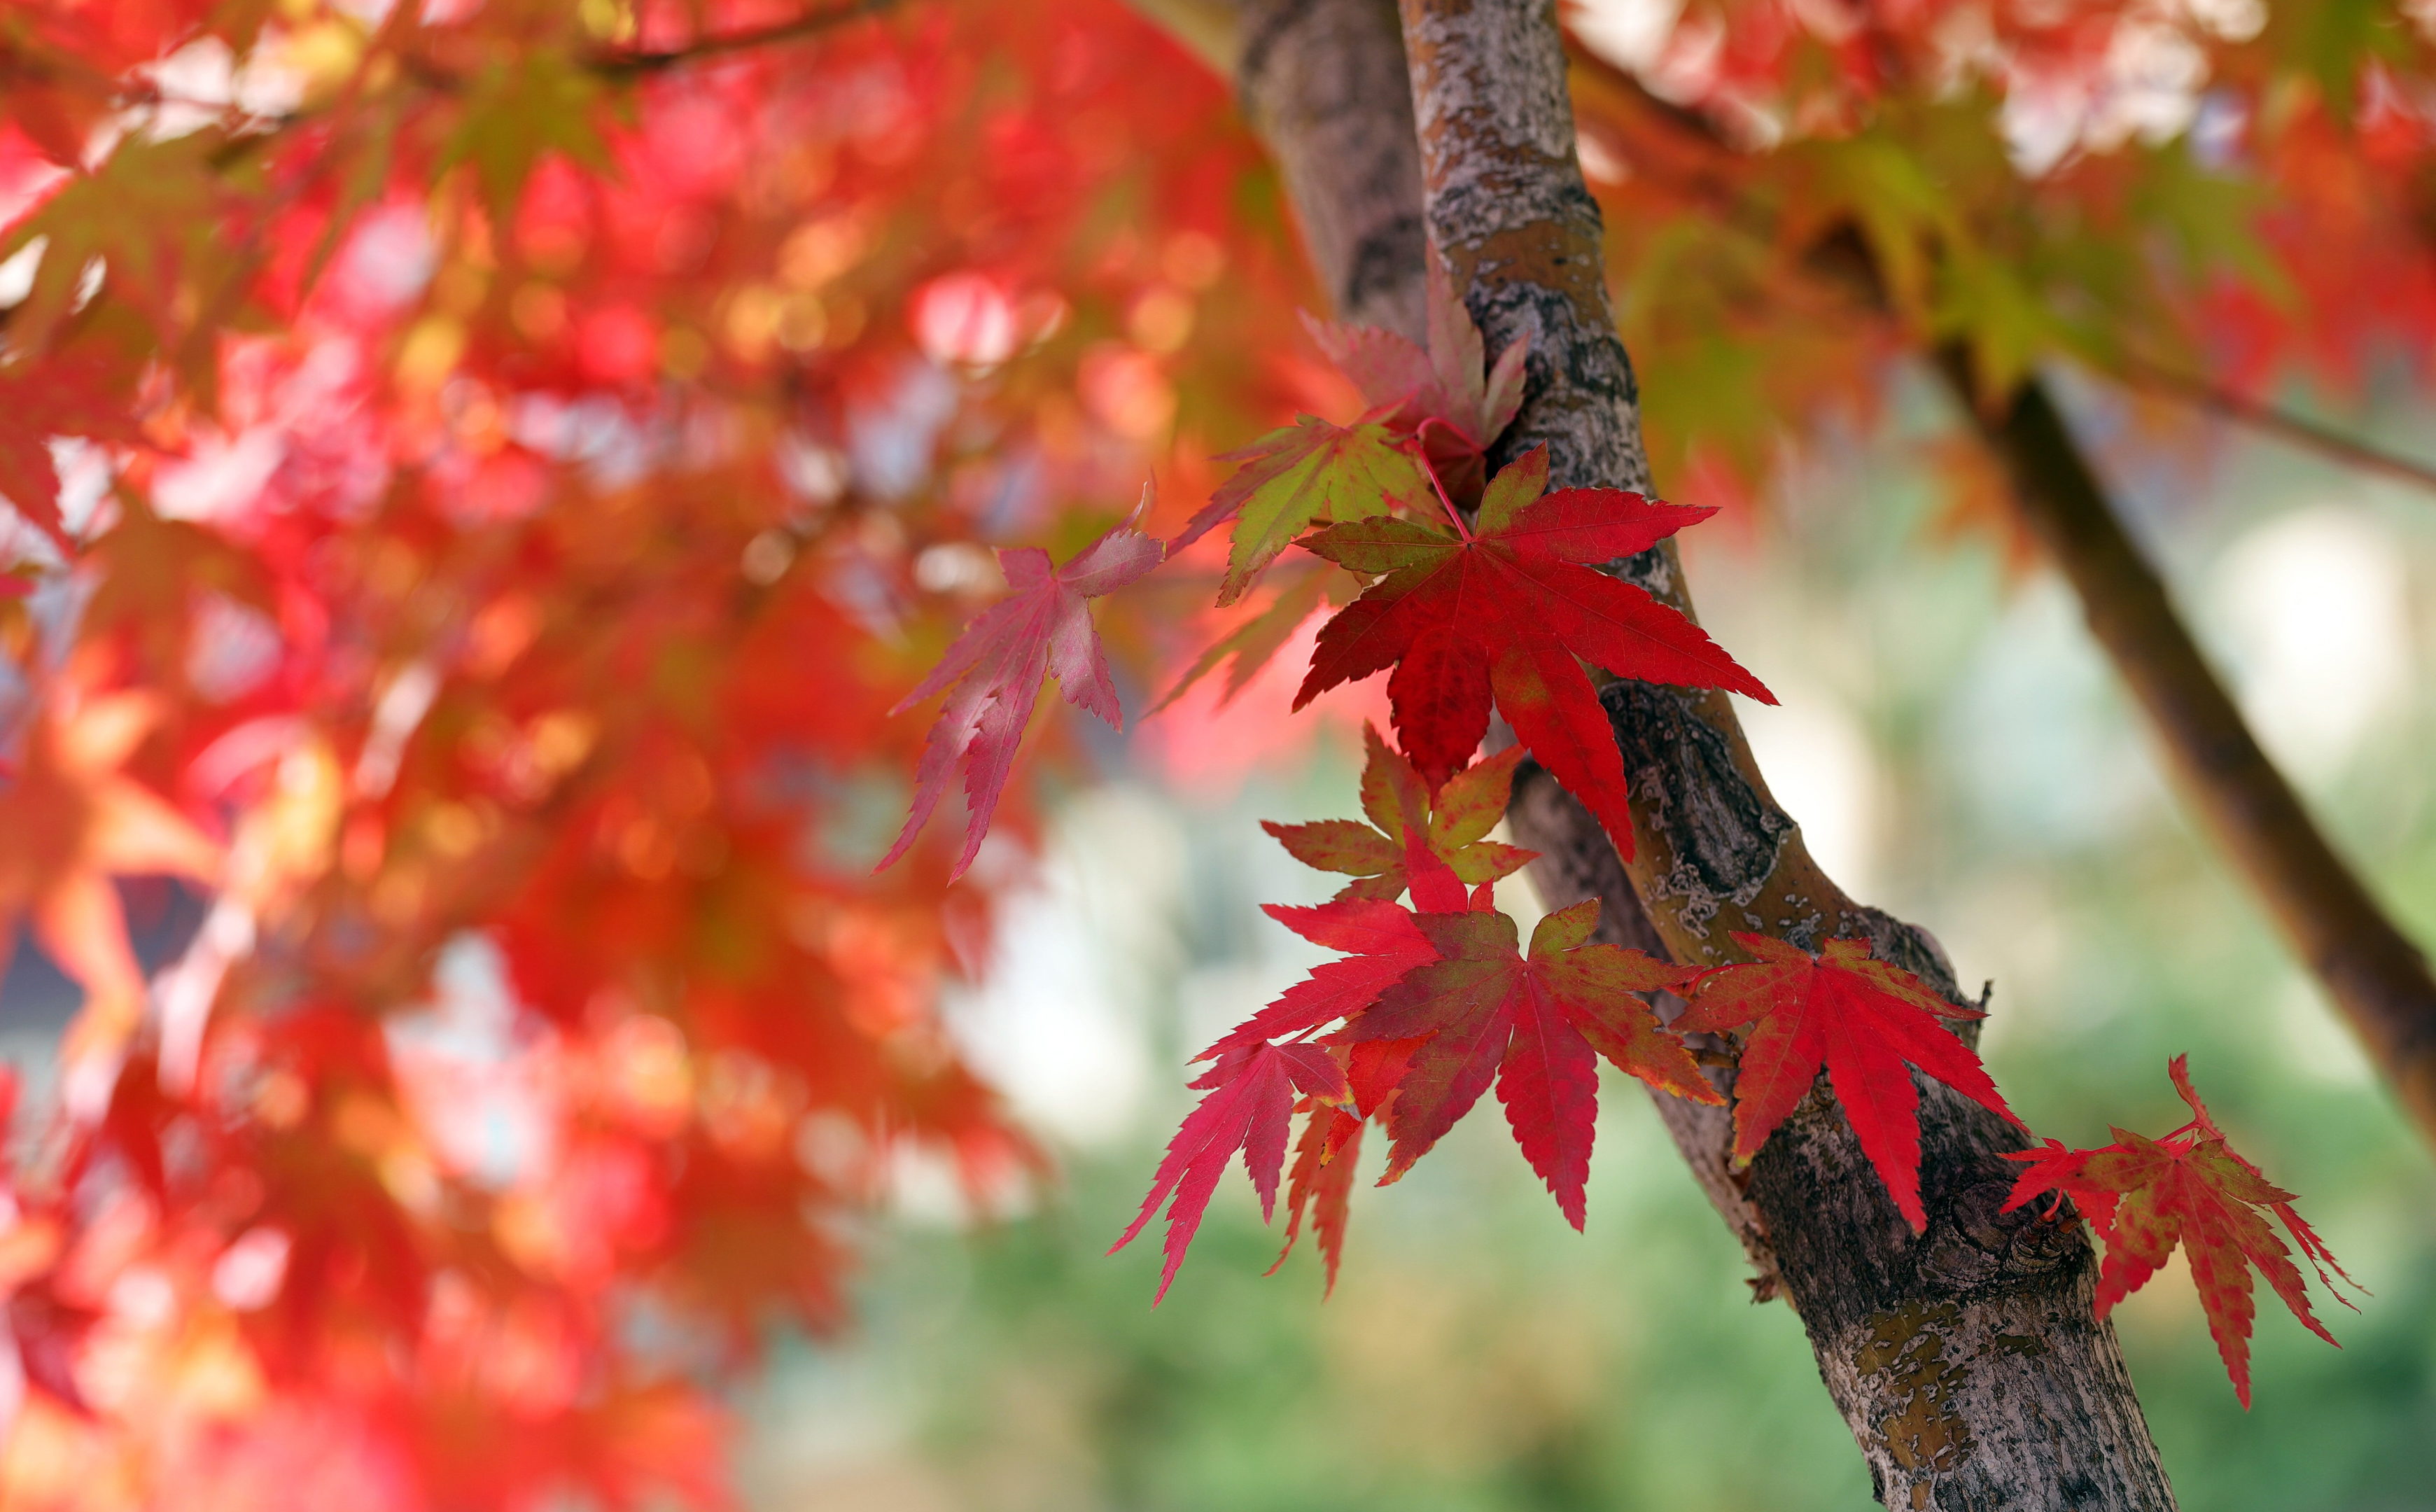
(1966, 1360)
(1309, 73)
(2376, 976)
(1576, 862)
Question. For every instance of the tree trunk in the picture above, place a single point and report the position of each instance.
(1323, 82)
(1966, 1361)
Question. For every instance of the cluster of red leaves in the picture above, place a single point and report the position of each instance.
(488, 472)
(2017, 186)
(2144, 1197)
(1437, 1003)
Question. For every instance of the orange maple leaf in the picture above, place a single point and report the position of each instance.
(75, 820)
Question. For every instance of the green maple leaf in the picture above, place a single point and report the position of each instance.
(1458, 817)
(1300, 474)
(150, 215)
(1987, 302)
(516, 113)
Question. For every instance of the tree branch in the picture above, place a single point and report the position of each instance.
(2283, 425)
(619, 63)
(2376, 976)
(1317, 78)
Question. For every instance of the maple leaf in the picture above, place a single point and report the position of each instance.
(1456, 820)
(1862, 1019)
(517, 111)
(69, 394)
(1433, 403)
(75, 821)
(1440, 395)
(1321, 1182)
(150, 213)
(2144, 1196)
(1381, 944)
(1311, 470)
(1535, 1025)
(995, 668)
(1499, 611)
(1251, 1099)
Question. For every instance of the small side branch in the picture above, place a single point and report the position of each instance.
(623, 64)
(2376, 976)
(2295, 430)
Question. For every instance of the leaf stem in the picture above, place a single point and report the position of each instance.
(1422, 455)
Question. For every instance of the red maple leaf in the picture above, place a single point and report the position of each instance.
(1863, 1021)
(1455, 821)
(1536, 1026)
(1042, 628)
(70, 394)
(1252, 1097)
(1500, 610)
(1321, 1182)
(1380, 943)
(2144, 1196)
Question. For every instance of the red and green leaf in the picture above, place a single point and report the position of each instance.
(1298, 475)
(2144, 1197)
(1485, 1013)
(1506, 613)
(1865, 1021)
(1444, 396)
(1456, 819)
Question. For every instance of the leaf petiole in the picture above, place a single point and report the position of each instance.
(1421, 454)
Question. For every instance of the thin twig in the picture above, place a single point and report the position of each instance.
(2281, 424)
(616, 64)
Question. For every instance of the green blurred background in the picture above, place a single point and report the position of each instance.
(1959, 752)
